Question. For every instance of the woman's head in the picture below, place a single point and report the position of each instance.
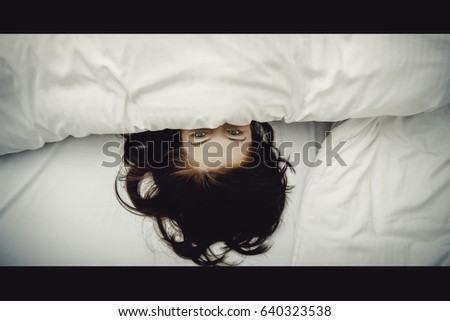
(221, 197)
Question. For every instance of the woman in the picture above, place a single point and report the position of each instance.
(211, 191)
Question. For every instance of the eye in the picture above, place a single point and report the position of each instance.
(200, 133)
(234, 132)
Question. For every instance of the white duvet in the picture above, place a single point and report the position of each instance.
(53, 86)
(390, 205)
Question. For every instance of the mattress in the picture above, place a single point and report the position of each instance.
(58, 207)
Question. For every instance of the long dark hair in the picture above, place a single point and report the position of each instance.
(238, 208)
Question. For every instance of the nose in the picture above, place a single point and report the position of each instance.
(224, 151)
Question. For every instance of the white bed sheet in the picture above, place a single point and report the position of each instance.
(390, 205)
(58, 207)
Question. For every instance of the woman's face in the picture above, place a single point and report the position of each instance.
(224, 146)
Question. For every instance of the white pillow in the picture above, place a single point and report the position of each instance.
(52, 86)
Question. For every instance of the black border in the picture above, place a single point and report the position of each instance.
(237, 283)
(224, 284)
(189, 17)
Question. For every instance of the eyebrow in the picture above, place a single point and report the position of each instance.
(237, 140)
(206, 140)
(198, 143)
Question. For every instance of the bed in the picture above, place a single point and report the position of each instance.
(380, 102)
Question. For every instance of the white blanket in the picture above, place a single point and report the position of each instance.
(53, 86)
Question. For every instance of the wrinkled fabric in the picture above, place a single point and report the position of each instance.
(53, 86)
(390, 204)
